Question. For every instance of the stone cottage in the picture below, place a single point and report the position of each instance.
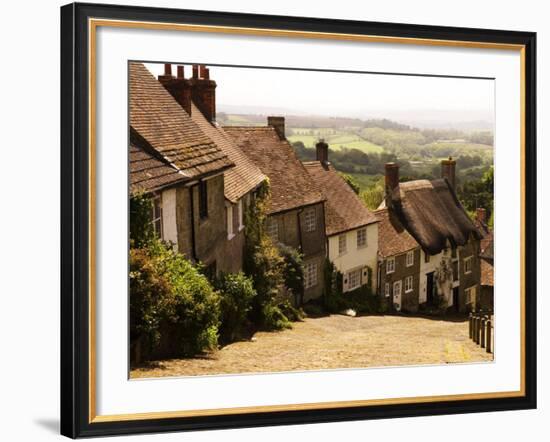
(181, 168)
(351, 228)
(398, 264)
(197, 97)
(450, 242)
(296, 213)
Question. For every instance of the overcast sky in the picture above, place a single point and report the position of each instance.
(361, 95)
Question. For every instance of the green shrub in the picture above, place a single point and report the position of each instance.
(236, 295)
(187, 301)
(293, 272)
(141, 229)
(332, 295)
(292, 313)
(274, 318)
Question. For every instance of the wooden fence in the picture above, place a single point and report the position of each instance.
(482, 327)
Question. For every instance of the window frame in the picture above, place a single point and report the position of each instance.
(468, 264)
(156, 197)
(387, 290)
(388, 260)
(310, 275)
(310, 220)
(411, 288)
(361, 230)
(342, 239)
(359, 273)
(272, 223)
(229, 221)
(410, 254)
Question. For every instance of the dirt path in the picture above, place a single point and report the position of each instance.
(335, 341)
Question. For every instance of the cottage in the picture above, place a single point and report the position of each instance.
(398, 264)
(241, 181)
(296, 213)
(351, 228)
(176, 163)
(431, 213)
(486, 255)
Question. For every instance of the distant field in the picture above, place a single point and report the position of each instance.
(336, 139)
(365, 180)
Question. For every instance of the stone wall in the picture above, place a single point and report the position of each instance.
(471, 279)
(409, 301)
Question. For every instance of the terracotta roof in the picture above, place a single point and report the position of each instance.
(149, 173)
(343, 209)
(242, 178)
(393, 238)
(432, 214)
(291, 185)
(487, 273)
(160, 120)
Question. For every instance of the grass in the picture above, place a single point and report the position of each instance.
(336, 139)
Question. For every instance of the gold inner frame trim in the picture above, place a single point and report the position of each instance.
(93, 24)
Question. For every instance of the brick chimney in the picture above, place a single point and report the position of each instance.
(480, 215)
(178, 87)
(203, 91)
(448, 168)
(278, 123)
(321, 149)
(391, 181)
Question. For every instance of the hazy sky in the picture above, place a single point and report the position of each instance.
(350, 95)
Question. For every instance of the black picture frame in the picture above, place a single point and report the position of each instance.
(75, 220)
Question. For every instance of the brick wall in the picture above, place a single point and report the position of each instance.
(473, 278)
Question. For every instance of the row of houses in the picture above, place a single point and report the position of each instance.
(202, 178)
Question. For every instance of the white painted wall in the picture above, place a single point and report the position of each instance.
(169, 225)
(432, 266)
(355, 257)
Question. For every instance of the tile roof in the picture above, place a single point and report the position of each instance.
(291, 185)
(393, 238)
(149, 173)
(432, 214)
(343, 210)
(160, 120)
(487, 273)
(242, 178)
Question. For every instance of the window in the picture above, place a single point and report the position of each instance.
(390, 265)
(240, 214)
(273, 229)
(387, 290)
(426, 257)
(310, 275)
(471, 295)
(408, 284)
(354, 279)
(342, 244)
(203, 199)
(362, 237)
(156, 214)
(229, 220)
(468, 264)
(310, 220)
(410, 258)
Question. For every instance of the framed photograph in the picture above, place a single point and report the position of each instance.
(273, 220)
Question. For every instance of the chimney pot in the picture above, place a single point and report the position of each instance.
(206, 73)
(278, 123)
(181, 72)
(202, 71)
(195, 71)
(392, 176)
(167, 69)
(448, 170)
(321, 149)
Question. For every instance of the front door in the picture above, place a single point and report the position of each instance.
(397, 295)
(455, 299)
(430, 288)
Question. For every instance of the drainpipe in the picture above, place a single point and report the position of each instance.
(193, 239)
(300, 230)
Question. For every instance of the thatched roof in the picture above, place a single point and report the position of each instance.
(432, 214)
